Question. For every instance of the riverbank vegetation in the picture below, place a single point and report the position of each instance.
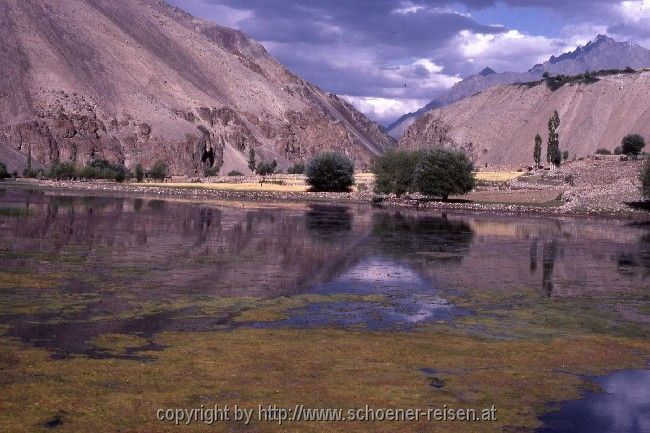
(330, 172)
(435, 172)
(98, 169)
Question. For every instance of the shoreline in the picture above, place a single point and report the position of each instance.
(200, 193)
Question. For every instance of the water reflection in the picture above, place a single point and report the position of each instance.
(328, 223)
(138, 251)
(407, 299)
(432, 238)
(622, 406)
(271, 252)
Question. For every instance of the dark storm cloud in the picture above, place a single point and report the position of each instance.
(314, 38)
(363, 22)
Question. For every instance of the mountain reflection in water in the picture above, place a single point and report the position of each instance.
(107, 254)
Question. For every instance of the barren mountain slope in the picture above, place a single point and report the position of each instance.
(461, 90)
(601, 53)
(500, 123)
(137, 80)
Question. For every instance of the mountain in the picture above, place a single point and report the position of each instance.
(461, 90)
(601, 53)
(140, 81)
(498, 125)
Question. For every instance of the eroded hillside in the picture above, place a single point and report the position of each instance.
(499, 125)
(138, 81)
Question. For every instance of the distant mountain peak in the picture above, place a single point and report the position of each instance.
(598, 41)
(603, 38)
(487, 71)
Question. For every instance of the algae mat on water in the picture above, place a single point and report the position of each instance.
(325, 367)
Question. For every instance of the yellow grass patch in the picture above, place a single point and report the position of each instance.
(497, 176)
(244, 187)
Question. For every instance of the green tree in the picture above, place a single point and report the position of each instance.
(330, 171)
(441, 173)
(62, 171)
(3, 171)
(644, 177)
(395, 170)
(251, 159)
(553, 154)
(565, 155)
(632, 144)
(139, 172)
(266, 168)
(158, 171)
(537, 152)
(297, 168)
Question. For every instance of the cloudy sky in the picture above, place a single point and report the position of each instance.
(389, 57)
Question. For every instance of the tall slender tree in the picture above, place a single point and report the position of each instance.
(251, 159)
(537, 152)
(553, 154)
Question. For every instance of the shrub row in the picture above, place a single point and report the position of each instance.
(98, 169)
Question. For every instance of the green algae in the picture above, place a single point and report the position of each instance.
(527, 313)
(318, 367)
(24, 280)
(15, 212)
(118, 344)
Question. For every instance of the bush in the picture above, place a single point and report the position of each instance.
(632, 144)
(62, 171)
(210, 171)
(86, 172)
(330, 171)
(235, 173)
(158, 171)
(394, 171)
(139, 172)
(265, 168)
(3, 171)
(603, 151)
(618, 150)
(645, 179)
(565, 156)
(297, 168)
(441, 173)
(102, 169)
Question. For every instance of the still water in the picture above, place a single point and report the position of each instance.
(101, 254)
(75, 267)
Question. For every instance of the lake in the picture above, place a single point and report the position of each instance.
(93, 280)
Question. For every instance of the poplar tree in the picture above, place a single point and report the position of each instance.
(553, 154)
(537, 152)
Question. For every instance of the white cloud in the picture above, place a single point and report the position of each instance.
(511, 50)
(385, 110)
(223, 15)
(635, 11)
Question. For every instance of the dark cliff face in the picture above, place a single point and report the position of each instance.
(135, 82)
